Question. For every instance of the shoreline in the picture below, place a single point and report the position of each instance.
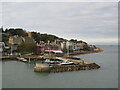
(83, 53)
(42, 67)
(86, 65)
(35, 56)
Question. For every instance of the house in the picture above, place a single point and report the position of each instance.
(15, 40)
(3, 48)
(63, 45)
(42, 47)
(28, 39)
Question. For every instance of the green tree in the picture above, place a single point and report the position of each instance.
(64, 50)
(73, 40)
(26, 48)
(5, 38)
(17, 31)
(36, 36)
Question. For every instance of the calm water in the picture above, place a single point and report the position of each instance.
(21, 75)
(0, 74)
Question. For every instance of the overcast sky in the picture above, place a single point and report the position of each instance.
(95, 23)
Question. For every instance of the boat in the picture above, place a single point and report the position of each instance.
(67, 63)
(51, 62)
(47, 61)
(22, 59)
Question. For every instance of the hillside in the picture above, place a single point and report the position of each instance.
(36, 36)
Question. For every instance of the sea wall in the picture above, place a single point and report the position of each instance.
(64, 68)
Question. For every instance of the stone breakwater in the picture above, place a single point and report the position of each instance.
(64, 68)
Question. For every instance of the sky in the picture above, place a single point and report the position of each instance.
(93, 22)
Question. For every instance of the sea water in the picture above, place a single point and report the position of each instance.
(21, 75)
(0, 74)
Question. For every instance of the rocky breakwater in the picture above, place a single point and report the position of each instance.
(74, 67)
(63, 68)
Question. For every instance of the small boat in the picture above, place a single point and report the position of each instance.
(51, 62)
(67, 63)
(22, 59)
(47, 61)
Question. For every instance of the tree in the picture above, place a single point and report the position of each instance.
(73, 40)
(17, 31)
(80, 41)
(36, 36)
(26, 48)
(5, 38)
(64, 50)
(1, 30)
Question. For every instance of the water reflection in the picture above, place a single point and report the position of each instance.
(43, 74)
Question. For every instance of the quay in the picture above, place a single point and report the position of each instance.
(77, 63)
(64, 68)
(81, 65)
(6, 58)
(36, 57)
(73, 60)
(32, 57)
(15, 58)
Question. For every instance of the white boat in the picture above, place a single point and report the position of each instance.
(67, 63)
(47, 61)
(51, 62)
(22, 59)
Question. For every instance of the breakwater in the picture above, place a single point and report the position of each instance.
(64, 68)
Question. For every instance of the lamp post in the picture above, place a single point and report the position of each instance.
(11, 42)
(11, 50)
(68, 49)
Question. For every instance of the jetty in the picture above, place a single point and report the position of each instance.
(63, 68)
(55, 64)
(7, 58)
(73, 60)
(81, 65)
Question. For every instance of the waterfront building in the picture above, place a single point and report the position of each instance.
(71, 45)
(28, 39)
(42, 47)
(57, 41)
(15, 39)
(29, 34)
(51, 47)
(10, 41)
(3, 48)
(63, 45)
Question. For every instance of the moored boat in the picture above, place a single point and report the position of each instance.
(22, 59)
(67, 63)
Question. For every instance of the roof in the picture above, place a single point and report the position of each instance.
(55, 51)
